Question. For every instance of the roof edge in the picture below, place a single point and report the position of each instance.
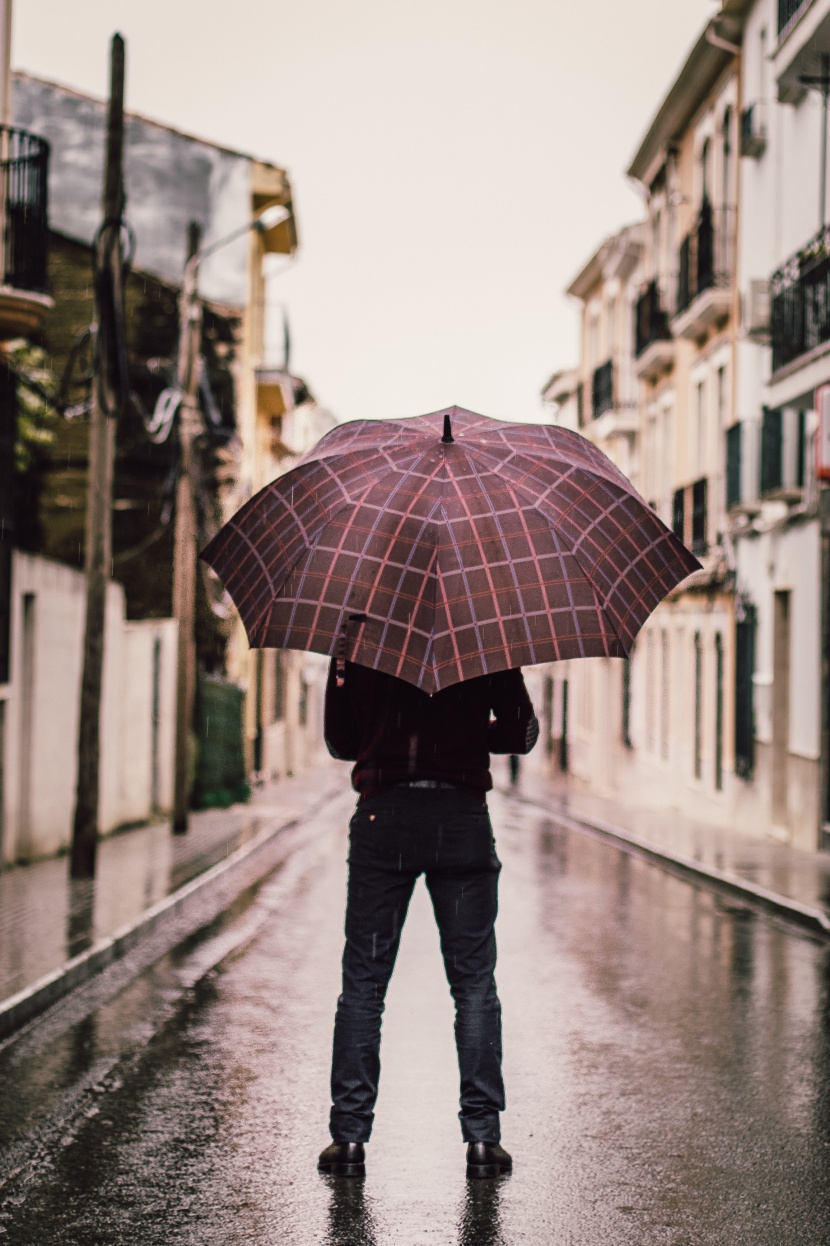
(137, 116)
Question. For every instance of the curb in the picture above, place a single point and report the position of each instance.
(175, 917)
(806, 916)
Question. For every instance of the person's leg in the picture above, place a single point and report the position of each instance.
(377, 901)
(465, 900)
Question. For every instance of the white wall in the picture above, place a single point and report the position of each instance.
(42, 701)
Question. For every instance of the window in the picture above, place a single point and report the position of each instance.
(650, 690)
(705, 171)
(279, 686)
(665, 703)
(698, 706)
(718, 712)
(699, 445)
(626, 703)
(744, 670)
(726, 156)
(721, 395)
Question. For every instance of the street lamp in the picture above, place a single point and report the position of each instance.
(184, 400)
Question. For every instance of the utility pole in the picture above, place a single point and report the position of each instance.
(99, 509)
(184, 556)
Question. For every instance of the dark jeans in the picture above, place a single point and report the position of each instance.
(446, 835)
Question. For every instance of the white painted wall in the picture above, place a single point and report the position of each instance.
(39, 793)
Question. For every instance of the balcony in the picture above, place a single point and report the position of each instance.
(690, 515)
(800, 302)
(705, 271)
(653, 344)
(612, 410)
(24, 166)
(788, 11)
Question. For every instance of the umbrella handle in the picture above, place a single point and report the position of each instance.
(341, 657)
(340, 665)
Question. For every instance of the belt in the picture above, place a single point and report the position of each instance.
(432, 784)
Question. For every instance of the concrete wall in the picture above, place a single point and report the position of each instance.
(39, 760)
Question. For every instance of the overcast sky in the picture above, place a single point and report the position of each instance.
(454, 163)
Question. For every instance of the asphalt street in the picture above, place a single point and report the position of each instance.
(666, 1058)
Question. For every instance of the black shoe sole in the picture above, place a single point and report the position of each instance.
(342, 1170)
(479, 1171)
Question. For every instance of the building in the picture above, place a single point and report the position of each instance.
(172, 179)
(773, 497)
(686, 324)
(585, 704)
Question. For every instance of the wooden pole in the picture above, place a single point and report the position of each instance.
(184, 556)
(98, 526)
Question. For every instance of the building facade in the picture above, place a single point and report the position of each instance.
(723, 710)
(172, 179)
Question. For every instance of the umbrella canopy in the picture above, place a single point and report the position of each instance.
(446, 546)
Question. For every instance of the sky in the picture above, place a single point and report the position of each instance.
(454, 164)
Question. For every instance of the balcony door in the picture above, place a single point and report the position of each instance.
(780, 708)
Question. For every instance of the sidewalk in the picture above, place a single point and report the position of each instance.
(46, 919)
(789, 881)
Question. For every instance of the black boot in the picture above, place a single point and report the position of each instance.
(343, 1159)
(487, 1159)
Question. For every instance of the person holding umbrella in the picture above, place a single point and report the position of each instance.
(434, 557)
(422, 771)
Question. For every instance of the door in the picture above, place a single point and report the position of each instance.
(780, 707)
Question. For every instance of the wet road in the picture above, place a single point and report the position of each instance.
(667, 1061)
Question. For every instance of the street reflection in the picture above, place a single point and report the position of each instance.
(80, 922)
(481, 1214)
(350, 1220)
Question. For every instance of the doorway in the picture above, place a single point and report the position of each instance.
(780, 708)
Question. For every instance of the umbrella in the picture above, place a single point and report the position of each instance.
(445, 546)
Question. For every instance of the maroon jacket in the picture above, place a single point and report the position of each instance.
(395, 732)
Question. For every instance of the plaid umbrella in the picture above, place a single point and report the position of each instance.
(446, 546)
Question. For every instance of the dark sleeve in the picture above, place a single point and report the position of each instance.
(339, 726)
(516, 728)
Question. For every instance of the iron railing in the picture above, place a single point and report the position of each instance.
(800, 301)
(602, 389)
(705, 258)
(787, 11)
(651, 320)
(24, 169)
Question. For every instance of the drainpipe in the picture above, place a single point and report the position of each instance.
(717, 42)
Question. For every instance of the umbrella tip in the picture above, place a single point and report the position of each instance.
(447, 430)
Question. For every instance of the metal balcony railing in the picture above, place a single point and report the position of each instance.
(651, 321)
(705, 258)
(787, 11)
(602, 389)
(800, 301)
(24, 168)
